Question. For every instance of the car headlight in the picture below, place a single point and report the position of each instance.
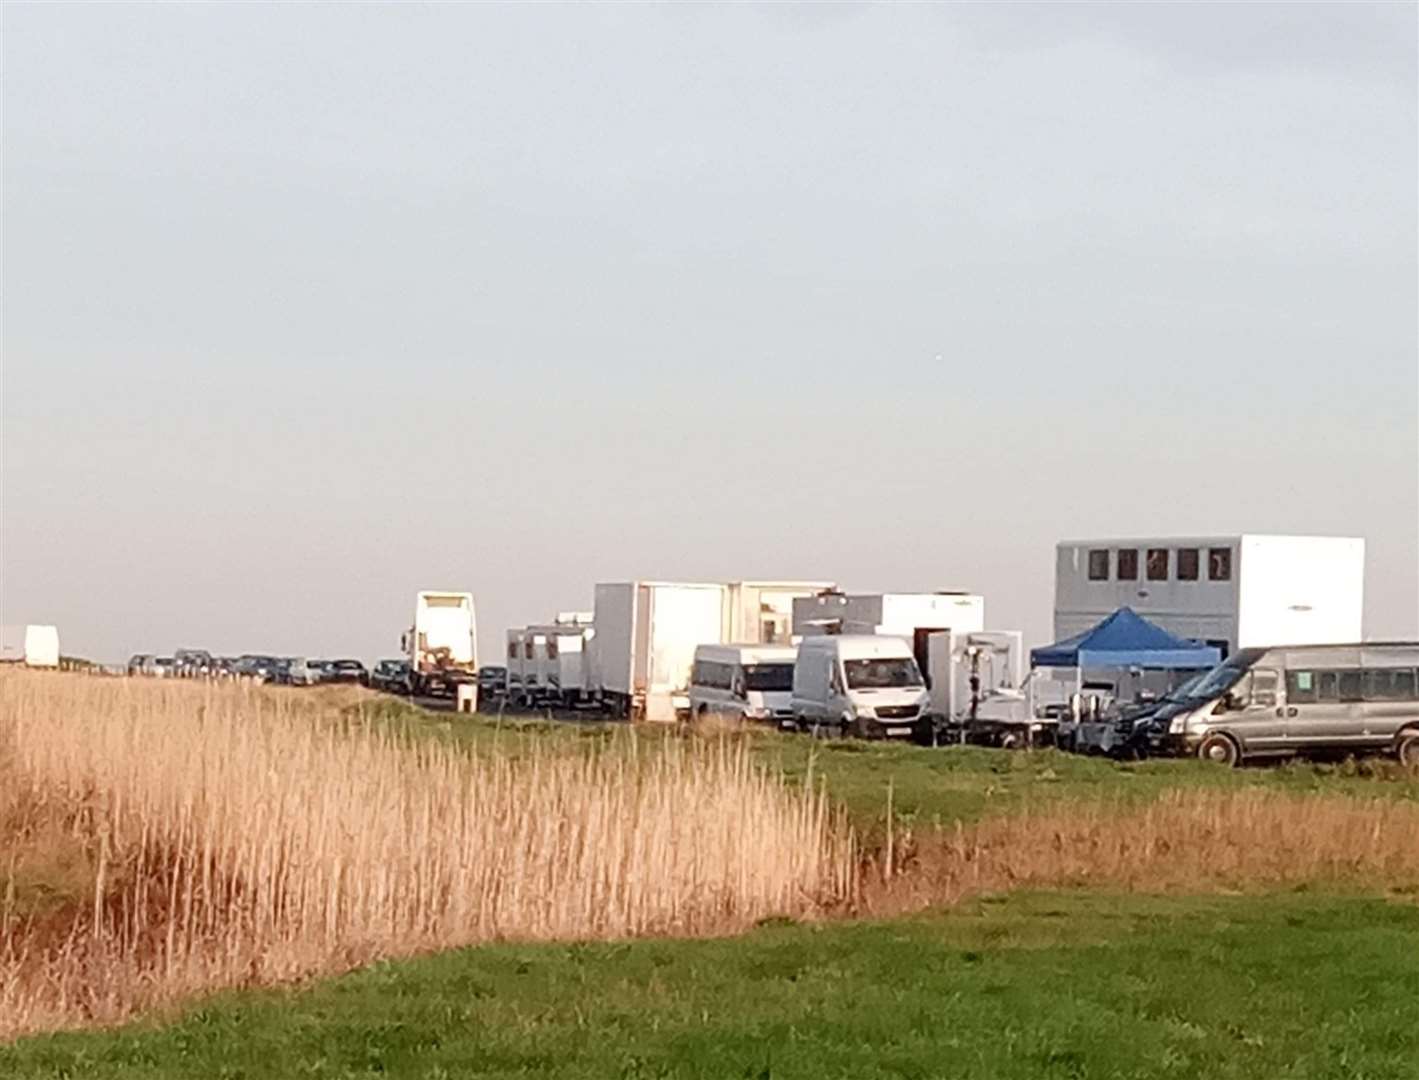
(1176, 724)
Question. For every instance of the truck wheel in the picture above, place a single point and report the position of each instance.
(1407, 749)
(1220, 750)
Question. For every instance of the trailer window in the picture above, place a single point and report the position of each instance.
(1157, 564)
(1128, 564)
(1099, 564)
(512, 650)
(1219, 564)
(1187, 564)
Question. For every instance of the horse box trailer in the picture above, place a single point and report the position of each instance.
(1234, 592)
(644, 646)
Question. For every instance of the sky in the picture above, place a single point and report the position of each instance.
(308, 307)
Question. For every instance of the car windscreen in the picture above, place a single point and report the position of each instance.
(768, 677)
(1219, 679)
(882, 673)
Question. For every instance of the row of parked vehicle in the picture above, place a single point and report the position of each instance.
(278, 670)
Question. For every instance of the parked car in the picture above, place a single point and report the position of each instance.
(193, 663)
(164, 667)
(258, 667)
(347, 671)
(140, 664)
(492, 681)
(301, 672)
(391, 675)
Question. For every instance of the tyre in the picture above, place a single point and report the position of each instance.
(1220, 750)
(1407, 749)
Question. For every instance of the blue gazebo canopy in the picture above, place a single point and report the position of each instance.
(1126, 639)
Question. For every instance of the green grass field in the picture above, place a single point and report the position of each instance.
(1029, 986)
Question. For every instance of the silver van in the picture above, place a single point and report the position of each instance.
(1298, 699)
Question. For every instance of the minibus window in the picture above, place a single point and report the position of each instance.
(1264, 684)
(1351, 686)
(1300, 687)
(1327, 686)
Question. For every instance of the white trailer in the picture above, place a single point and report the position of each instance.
(644, 646)
(974, 671)
(913, 616)
(761, 612)
(35, 645)
(442, 645)
(1234, 592)
(563, 659)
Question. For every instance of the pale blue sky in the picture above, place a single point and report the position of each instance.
(308, 307)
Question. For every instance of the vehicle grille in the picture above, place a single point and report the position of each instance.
(896, 712)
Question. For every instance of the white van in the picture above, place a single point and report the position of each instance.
(860, 684)
(743, 682)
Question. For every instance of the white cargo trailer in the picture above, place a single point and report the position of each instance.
(761, 612)
(913, 616)
(644, 646)
(1234, 592)
(974, 670)
(565, 678)
(442, 645)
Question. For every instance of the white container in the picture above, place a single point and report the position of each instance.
(646, 634)
(996, 658)
(35, 645)
(761, 612)
(1234, 592)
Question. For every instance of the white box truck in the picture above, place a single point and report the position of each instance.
(442, 645)
(644, 646)
(1234, 592)
(913, 616)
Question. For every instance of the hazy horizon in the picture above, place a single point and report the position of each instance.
(309, 307)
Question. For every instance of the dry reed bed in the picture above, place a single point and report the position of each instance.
(1187, 841)
(236, 842)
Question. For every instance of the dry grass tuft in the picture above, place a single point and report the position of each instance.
(1187, 841)
(226, 838)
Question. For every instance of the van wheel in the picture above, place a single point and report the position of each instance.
(1407, 749)
(1220, 750)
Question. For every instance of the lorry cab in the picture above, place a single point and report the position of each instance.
(864, 685)
(743, 682)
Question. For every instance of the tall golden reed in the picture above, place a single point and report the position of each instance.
(238, 840)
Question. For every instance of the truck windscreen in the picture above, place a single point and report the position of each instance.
(885, 673)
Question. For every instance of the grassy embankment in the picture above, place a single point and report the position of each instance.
(1034, 986)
